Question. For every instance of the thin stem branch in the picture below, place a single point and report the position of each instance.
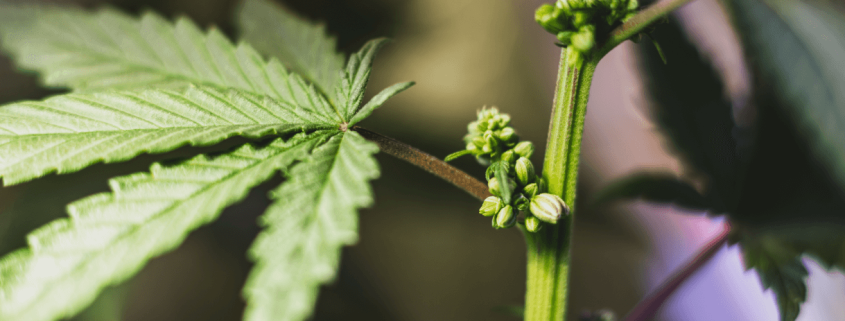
(637, 23)
(427, 162)
(647, 308)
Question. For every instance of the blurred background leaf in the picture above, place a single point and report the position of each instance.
(799, 50)
(654, 187)
(691, 109)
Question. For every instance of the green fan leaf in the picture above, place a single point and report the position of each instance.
(781, 272)
(146, 85)
(109, 49)
(313, 217)
(690, 108)
(350, 92)
(109, 236)
(69, 132)
(301, 45)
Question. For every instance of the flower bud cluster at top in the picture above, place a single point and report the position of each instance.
(495, 144)
(574, 22)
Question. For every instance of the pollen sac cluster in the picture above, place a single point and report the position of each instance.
(490, 135)
(574, 22)
(511, 177)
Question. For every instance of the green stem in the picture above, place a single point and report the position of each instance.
(639, 22)
(549, 249)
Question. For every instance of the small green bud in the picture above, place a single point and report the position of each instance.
(563, 5)
(472, 128)
(485, 113)
(530, 190)
(548, 17)
(532, 224)
(524, 171)
(584, 40)
(506, 217)
(524, 149)
(479, 141)
(521, 203)
(494, 187)
(508, 156)
(507, 134)
(492, 123)
(491, 140)
(503, 120)
(474, 149)
(582, 18)
(480, 127)
(565, 37)
(491, 206)
(548, 207)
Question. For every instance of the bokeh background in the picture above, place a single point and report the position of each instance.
(424, 253)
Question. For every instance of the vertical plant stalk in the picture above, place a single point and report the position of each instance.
(549, 249)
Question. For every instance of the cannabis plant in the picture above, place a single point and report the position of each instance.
(149, 85)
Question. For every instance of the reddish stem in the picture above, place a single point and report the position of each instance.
(427, 162)
(647, 308)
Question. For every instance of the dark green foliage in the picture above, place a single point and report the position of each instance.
(780, 182)
(654, 187)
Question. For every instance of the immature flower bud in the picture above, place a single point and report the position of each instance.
(548, 207)
(524, 171)
(547, 16)
(491, 206)
(524, 149)
(508, 157)
(584, 39)
(530, 190)
(480, 127)
(479, 141)
(492, 124)
(507, 134)
(474, 149)
(472, 128)
(565, 37)
(503, 120)
(506, 217)
(491, 140)
(495, 188)
(532, 224)
(521, 203)
(581, 18)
